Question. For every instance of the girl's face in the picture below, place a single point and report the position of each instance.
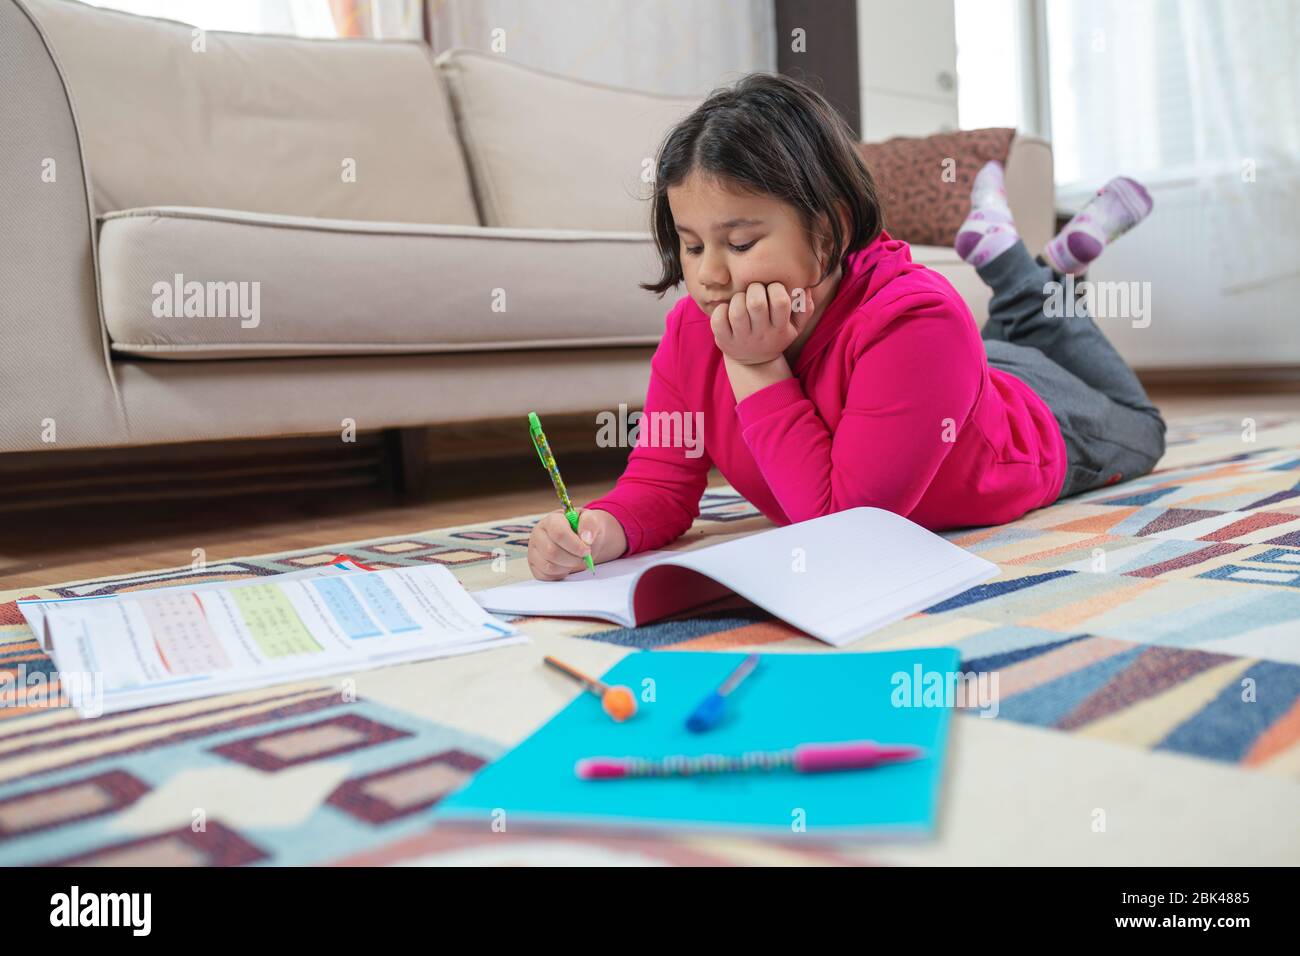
(730, 239)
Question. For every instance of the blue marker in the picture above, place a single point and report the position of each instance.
(709, 712)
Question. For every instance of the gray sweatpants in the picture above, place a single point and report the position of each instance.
(1112, 431)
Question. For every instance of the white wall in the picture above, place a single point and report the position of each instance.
(1194, 322)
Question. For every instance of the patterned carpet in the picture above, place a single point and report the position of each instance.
(1161, 614)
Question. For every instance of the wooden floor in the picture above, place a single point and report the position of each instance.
(52, 546)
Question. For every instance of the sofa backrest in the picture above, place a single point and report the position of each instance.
(257, 123)
(552, 152)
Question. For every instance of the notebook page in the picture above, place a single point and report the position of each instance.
(607, 595)
(839, 576)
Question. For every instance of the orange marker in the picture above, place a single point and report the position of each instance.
(619, 702)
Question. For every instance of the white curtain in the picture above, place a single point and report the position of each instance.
(676, 47)
(1205, 92)
(1244, 66)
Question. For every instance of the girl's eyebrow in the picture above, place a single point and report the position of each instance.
(729, 224)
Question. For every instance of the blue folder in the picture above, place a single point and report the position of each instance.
(789, 699)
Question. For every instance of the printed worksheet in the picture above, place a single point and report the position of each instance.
(182, 642)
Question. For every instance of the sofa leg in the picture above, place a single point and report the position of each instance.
(407, 460)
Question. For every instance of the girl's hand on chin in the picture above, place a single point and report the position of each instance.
(759, 324)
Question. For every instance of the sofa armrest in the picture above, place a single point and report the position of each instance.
(56, 380)
(1031, 191)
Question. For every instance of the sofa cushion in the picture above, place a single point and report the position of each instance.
(548, 151)
(923, 205)
(187, 283)
(264, 123)
(1030, 190)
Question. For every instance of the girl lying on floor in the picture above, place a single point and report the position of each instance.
(830, 371)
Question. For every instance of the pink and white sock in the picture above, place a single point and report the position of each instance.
(989, 230)
(1118, 206)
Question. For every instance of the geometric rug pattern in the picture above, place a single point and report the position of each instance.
(1161, 614)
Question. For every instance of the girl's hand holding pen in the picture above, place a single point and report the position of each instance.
(555, 551)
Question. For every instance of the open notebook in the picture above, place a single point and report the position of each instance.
(836, 577)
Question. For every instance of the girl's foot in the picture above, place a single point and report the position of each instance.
(989, 230)
(1118, 206)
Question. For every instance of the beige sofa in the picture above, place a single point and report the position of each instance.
(217, 235)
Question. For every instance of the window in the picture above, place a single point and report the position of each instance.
(1120, 92)
(1165, 90)
(992, 86)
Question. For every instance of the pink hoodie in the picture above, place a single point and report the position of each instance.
(892, 405)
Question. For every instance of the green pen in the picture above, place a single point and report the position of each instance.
(548, 462)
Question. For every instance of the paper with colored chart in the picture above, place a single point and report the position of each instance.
(150, 647)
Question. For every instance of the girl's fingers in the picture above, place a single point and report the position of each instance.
(566, 544)
(554, 551)
(762, 308)
(738, 315)
(756, 306)
(720, 323)
(541, 566)
(778, 304)
(552, 566)
(589, 528)
(553, 570)
(546, 570)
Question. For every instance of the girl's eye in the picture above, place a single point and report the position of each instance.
(696, 250)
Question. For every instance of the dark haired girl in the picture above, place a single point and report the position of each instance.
(830, 371)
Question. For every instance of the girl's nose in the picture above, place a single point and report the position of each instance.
(713, 270)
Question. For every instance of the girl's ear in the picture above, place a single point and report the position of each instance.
(821, 242)
(824, 233)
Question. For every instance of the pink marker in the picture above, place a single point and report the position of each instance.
(806, 758)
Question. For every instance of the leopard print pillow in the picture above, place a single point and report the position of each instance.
(922, 205)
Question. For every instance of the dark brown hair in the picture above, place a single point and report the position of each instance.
(769, 135)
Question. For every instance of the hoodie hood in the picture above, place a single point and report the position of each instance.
(868, 273)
